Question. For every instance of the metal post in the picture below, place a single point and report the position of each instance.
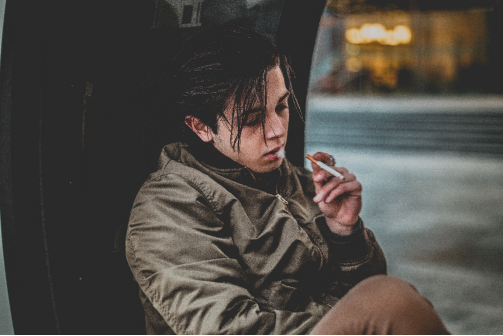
(6, 325)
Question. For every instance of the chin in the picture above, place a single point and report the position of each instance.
(266, 168)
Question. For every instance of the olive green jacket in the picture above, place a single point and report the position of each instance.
(214, 253)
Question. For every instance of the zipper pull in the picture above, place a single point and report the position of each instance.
(282, 199)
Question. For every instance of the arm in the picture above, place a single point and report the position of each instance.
(355, 257)
(355, 254)
(185, 262)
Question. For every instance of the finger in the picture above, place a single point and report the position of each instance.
(323, 157)
(322, 175)
(316, 170)
(354, 188)
(333, 183)
(324, 190)
(344, 171)
(320, 156)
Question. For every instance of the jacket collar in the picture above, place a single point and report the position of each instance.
(210, 161)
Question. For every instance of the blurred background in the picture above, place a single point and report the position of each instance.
(407, 94)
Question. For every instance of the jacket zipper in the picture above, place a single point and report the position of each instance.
(322, 259)
(282, 199)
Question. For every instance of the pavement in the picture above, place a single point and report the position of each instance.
(439, 219)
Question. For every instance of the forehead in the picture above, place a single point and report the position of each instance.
(272, 91)
(276, 83)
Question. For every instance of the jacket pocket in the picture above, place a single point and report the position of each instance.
(287, 295)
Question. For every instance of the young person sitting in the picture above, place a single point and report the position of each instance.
(228, 237)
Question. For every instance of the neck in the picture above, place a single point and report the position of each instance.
(208, 154)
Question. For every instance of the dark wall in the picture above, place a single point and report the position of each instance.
(82, 124)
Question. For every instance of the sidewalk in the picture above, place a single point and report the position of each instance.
(439, 219)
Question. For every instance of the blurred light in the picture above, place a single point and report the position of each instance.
(376, 32)
(353, 64)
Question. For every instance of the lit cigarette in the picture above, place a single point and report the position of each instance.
(325, 167)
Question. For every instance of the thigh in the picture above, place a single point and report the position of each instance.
(381, 305)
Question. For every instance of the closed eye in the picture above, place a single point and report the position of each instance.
(254, 118)
(281, 107)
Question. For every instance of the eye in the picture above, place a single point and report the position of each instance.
(281, 107)
(254, 119)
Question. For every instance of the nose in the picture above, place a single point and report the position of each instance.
(274, 127)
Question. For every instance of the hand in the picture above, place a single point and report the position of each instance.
(339, 200)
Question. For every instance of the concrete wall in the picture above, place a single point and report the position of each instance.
(6, 326)
(430, 123)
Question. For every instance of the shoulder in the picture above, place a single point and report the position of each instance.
(177, 183)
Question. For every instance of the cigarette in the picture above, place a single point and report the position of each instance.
(325, 167)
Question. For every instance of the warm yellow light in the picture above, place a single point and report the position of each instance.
(354, 35)
(353, 64)
(403, 34)
(376, 32)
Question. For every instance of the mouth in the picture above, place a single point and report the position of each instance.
(276, 154)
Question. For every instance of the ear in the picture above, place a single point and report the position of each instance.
(202, 130)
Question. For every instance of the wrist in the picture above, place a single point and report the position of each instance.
(342, 229)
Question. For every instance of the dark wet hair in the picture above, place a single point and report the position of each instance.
(225, 65)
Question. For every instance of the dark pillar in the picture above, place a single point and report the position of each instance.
(296, 36)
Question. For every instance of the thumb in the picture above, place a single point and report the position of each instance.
(317, 178)
(320, 177)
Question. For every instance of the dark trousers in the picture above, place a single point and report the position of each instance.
(381, 305)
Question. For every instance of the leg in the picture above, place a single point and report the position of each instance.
(381, 305)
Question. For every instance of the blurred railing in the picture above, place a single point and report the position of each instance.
(453, 124)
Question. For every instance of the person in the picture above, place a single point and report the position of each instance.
(228, 237)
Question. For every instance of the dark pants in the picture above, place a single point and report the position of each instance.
(381, 305)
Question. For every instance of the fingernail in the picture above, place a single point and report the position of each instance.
(316, 198)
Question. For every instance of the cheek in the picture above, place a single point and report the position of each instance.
(221, 142)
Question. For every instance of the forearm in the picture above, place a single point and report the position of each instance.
(357, 256)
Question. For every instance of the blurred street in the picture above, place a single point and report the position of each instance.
(420, 122)
(432, 175)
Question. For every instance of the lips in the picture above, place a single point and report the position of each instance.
(274, 151)
(275, 154)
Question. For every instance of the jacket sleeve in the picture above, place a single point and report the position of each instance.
(183, 258)
(354, 257)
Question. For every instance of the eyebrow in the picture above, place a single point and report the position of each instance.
(253, 110)
(258, 109)
(286, 95)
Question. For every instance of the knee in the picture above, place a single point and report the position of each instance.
(384, 282)
(382, 305)
(389, 289)
(400, 303)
